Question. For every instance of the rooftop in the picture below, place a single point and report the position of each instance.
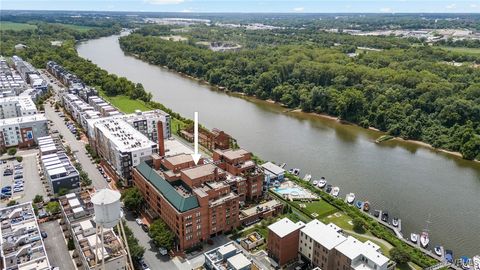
(269, 166)
(200, 171)
(233, 154)
(239, 261)
(325, 235)
(179, 159)
(285, 226)
(354, 248)
(23, 119)
(123, 136)
(179, 201)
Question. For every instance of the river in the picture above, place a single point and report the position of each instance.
(411, 181)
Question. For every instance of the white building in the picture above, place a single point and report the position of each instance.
(147, 123)
(17, 106)
(121, 145)
(363, 255)
(22, 131)
(22, 244)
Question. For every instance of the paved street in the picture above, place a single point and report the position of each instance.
(78, 147)
(56, 247)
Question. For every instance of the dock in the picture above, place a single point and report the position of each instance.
(396, 230)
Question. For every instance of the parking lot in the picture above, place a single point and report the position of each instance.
(56, 247)
(22, 181)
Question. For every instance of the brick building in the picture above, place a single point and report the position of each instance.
(215, 139)
(282, 243)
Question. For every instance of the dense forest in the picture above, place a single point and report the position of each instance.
(409, 91)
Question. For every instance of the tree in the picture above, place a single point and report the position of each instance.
(53, 207)
(38, 198)
(161, 234)
(70, 244)
(12, 151)
(19, 158)
(133, 199)
(12, 203)
(62, 191)
(358, 224)
(399, 255)
(86, 181)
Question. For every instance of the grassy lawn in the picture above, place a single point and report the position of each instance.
(321, 208)
(80, 28)
(5, 25)
(475, 51)
(127, 105)
(176, 125)
(340, 219)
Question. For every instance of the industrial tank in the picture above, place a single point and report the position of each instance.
(106, 203)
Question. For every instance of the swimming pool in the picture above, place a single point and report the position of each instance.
(295, 191)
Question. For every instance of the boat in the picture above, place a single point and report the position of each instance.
(307, 177)
(376, 213)
(328, 189)
(350, 198)
(476, 262)
(315, 182)
(465, 262)
(295, 171)
(322, 182)
(359, 204)
(438, 250)
(395, 222)
(335, 191)
(414, 237)
(449, 256)
(424, 239)
(366, 206)
(385, 216)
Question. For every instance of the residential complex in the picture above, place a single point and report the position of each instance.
(22, 244)
(77, 210)
(323, 246)
(57, 167)
(16, 106)
(227, 256)
(121, 146)
(22, 131)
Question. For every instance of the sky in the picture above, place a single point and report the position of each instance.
(247, 6)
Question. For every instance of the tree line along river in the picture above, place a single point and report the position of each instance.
(410, 181)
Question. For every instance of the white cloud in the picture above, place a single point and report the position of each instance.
(186, 10)
(386, 10)
(299, 9)
(164, 2)
(451, 6)
(473, 5)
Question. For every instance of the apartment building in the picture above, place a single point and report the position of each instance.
(22, 131)
(147, 123)
(326, 247)
(11, 83)
(214, 139)
(64, 76)
(78, 214)
(57, 167)
(227, 256)
(121, 146)
(17, 106)
(196, 202)
(282, 241)
(21, 240)
(239, 163)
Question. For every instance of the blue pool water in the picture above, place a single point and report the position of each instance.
(294, 190)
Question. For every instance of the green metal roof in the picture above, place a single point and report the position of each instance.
(181, 203)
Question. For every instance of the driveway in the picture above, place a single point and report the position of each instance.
(56, 247)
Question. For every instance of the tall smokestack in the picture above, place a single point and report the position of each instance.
(161, 143)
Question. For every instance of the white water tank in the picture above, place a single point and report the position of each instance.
(106, 203)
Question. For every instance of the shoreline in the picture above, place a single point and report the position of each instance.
(299, 111)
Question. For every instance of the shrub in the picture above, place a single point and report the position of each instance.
(12, 151)
(19, 158)
(38, 198)
(12, 203)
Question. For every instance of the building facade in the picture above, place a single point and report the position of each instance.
(22, 131)
(282, 240)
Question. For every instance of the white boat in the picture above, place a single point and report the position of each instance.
(438, 250)
(350, 198)
(395, 222)
(295, 171)
(335, 191)
(322, 183)
(476, 262)
(307, 177)
(414, 237)
(424, 239)
(315, 182)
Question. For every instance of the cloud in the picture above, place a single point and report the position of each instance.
(451, 6)
(473, 5)
(186, 10)
(386, 10)
(164, 2)
(299, 9)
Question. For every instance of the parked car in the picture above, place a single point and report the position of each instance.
(15, 190)
(44, 234)
(144, 265)
(163, 251)
(139, 221)
(18, 176)
(144, 227)
(6, 188)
